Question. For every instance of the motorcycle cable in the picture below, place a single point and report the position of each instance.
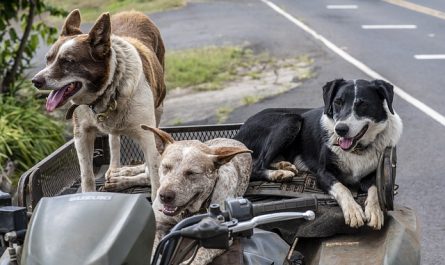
(165, 240)
(170, 246)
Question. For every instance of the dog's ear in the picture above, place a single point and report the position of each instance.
(100, 37)
(329, 91)
(165, 137)
(71, 26)
(222, 155)
(386, 92)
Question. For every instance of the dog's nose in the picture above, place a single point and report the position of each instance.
(167, 196)
(342, 129)
(38, 82)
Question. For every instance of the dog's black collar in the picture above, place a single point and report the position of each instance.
(70, 112)
(359, 148)
(100, 116)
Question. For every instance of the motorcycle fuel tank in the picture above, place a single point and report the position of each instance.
(90, 228)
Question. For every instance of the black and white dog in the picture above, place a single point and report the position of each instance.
(340, 143)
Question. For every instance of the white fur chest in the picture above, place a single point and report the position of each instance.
(356, 166)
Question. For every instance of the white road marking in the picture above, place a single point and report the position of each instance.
(389, 26)
(341, 6)
(418, 8)
(430, 56)
(373, 74)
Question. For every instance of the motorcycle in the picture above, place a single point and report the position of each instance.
(113, 228)
(68, 225)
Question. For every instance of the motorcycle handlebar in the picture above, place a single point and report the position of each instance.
(288, 205)
(243, 210)
(271, 218)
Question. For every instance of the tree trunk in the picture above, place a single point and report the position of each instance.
(11, 74)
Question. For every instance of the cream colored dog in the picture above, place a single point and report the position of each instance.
(193, 175)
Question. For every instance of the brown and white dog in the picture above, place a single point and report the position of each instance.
(114, 74)
(194, 175)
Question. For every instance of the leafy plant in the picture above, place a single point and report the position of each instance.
(17, 50)
(26, 134)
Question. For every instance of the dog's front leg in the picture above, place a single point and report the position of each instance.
(352, 211)
(152, 158)
(84, 143)
(114, 141)
(205, 256)
(373, 212)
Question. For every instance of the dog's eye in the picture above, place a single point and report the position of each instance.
(190, 173)
(338, 102)
(67, 60)
(49, 58)
(166, 168)
(361, 105)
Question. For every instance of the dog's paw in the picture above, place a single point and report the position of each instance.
(354, 216)
(280, 175)
(127, 171)
(374, 215)
(116, 184)
(109, 172)
(285, 165)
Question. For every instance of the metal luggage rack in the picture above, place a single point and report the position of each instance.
(59, 173)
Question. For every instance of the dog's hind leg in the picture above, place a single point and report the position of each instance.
(84, 143)
(265, 166)
(158, 113)
(285, 165)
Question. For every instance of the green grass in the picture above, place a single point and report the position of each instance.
(222, 113)
(91, 9)
(249, 100)
(205, 68)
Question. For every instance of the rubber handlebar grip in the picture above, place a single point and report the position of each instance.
(287, 205)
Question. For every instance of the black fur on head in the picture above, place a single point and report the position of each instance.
(329, 91)
(385, 91)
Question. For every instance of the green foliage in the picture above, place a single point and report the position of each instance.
(26, 135)
(91, 9)
(207, 67)
(19, 37)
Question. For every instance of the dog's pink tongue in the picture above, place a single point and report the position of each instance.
(54, 99)
(345, 143)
